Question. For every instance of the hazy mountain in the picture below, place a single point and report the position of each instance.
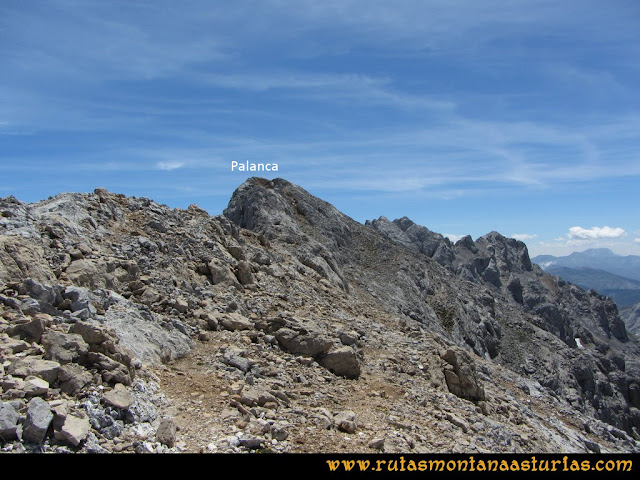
(624, 291)
(627, 266)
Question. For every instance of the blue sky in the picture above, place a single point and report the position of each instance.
(466, 116)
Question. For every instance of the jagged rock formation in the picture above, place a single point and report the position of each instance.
(284, 325)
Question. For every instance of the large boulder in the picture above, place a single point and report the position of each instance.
(342, 361)
(24, 367)
(460, 375)
(306, 342)
(39, 417)
(9, 417)
(22, 258)
(64, 347)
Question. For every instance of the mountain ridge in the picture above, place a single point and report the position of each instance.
(284, 324)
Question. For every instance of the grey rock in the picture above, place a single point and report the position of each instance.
(73, 377)
(305, 342)
(349, 338)
(237, 252)
(220, 273)
(92, 333)
(346, 421)
(9, 417)
(74, 430)
(80, 299)
(31, 331)
(12, 345)
(253, 396)
(65, 347)
(235, 321)
(24, 367)
(119, 397)
(38, 420)
(112, 371)
(592, 446)
(34, 386)
(22, 258)
(181, 305)
(342, 361)
(460, 375)
(166, 433)
(310, 280)
(142, 334)
(244, 273)
(238, 362)
(251, 442)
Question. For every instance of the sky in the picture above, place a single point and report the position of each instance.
(516, 116)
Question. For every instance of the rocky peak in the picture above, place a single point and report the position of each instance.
(284, 211)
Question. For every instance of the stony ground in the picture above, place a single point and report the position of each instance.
(394, 405)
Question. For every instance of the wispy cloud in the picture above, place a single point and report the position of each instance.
(170, 165)
(524, 236)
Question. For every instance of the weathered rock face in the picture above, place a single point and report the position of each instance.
(306, 323)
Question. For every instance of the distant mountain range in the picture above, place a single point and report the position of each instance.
(624, 291)
(595, 258)
(599, 269)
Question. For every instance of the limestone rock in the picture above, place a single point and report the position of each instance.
(166, 433)
(92, 333)
(74, 430)
(460, 375)
(112, 370)
(304, 342)
(39, 417)
(9, 417)
(285, 287)
(22, 258)
(342, 361)
(34, 386)
(235, 321)
(31, 331)
(73, 377)
(45, 369)
(65, 347)
(346, 421)
(12, 345)
(119, 397)
(244, 273)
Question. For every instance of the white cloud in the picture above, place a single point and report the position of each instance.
(637, 240)
(454, 238)
(524, 236)
(579, 233)
(171, 165)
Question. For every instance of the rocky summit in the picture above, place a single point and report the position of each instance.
(282, 325)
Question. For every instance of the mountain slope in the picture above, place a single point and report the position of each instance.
(286, 326)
